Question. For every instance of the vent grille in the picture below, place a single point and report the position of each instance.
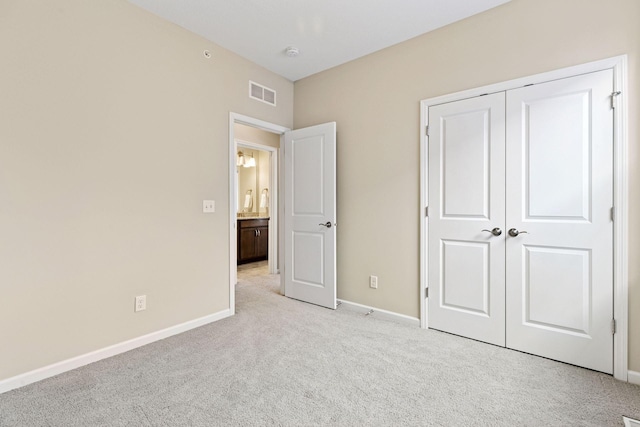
(262, 93)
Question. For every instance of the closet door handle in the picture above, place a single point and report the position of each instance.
(496, 231)
(514, 232)
(327, 224)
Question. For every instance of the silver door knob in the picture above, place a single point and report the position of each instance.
(326, 224)
(514, 232)
(496, 231)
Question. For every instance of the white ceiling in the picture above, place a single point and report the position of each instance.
(326, 32)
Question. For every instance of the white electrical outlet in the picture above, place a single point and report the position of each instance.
(208, 206)
(141, 303)
(373, 282)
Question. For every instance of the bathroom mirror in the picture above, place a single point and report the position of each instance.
(253, 168)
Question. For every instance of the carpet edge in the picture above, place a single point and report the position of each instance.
(57, 368)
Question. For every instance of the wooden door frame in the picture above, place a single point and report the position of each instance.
(275, 205)
(620, 189)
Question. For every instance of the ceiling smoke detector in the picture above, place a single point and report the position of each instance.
(292, 51)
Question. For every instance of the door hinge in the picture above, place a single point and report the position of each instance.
(426, 130)
(426, 211)
(613, 99)
(613, 213)
(426, 292)
(613, 326)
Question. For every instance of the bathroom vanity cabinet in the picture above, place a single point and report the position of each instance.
(253, 239)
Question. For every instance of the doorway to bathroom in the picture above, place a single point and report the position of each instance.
(256, 191)
(253, 140)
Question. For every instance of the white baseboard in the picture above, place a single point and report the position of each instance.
(112, 350)
(633, 377)
(380, 313)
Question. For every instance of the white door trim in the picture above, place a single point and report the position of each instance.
(233, 189)
(620, 191)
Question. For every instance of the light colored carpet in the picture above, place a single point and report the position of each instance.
(286, 363)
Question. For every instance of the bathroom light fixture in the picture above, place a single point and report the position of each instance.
(250, 162)
(240, 159)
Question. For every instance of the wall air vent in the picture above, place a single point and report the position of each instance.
(262, 93)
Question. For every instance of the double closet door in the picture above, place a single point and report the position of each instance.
(520, 234)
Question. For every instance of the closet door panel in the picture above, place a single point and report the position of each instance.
(559, 274)
(466, 196)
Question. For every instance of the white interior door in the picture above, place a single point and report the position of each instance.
(560, 192)
(466, 196)
(310, 215)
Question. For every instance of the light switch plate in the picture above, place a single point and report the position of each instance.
(208, 206)
(373, 282)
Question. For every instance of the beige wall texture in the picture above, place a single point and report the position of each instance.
(257, 136)
(114, 128)
(375, 101)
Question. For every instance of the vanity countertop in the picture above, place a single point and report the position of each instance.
(252, 217)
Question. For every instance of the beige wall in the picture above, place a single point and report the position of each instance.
(375, 101)
(114, 129)
(257, 136)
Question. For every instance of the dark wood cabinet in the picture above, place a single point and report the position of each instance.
(253, 240)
